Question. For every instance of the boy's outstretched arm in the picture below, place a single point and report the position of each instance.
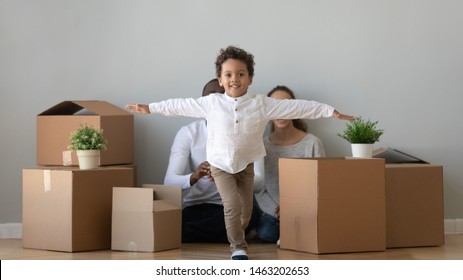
(138, 108)
(340, 116)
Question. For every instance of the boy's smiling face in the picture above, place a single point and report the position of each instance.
(235, 77)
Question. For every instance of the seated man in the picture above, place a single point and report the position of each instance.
(202, 215)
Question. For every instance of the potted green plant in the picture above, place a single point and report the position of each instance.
(362, 134)
(87, 141)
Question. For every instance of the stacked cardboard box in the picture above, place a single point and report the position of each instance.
(68, 209)
(65, 208)
(55, 125)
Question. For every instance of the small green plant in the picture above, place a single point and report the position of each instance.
(87, 138)
(360, 131)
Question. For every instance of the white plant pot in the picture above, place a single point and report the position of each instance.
(88, 159)
(362, 150)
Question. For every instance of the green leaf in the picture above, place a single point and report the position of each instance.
(87, 138)
(361, 131)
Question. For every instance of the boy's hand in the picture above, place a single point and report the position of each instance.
(138, 108)
(340, 116)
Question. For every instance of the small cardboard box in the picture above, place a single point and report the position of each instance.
(332, 205)
(147, 219)
(55, 125)
(414, 205)
(68, 209)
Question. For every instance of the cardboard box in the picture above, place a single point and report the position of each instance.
(55, 125)
(414, 205)
(414, 200)
(68, 209)
(332, 205)
(147, 219)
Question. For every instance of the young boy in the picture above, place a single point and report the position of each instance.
(202, 214)
(236, 122)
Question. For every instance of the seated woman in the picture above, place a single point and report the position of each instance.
(287, 139)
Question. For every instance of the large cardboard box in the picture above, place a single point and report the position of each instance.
(54, 127)
(414, 200)
(147, 219)
(332, 205)
(68, 209)
(414, 205)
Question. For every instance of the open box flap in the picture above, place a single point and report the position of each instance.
(96, 107)
(395, 156)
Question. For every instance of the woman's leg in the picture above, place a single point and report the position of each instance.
(268, 228)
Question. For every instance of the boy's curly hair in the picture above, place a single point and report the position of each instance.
(232, 52)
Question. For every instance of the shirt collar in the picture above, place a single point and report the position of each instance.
(239, 99)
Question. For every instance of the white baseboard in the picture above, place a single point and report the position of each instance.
(11, 231)
(453, 226)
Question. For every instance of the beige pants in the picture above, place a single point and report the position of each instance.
(236, 191)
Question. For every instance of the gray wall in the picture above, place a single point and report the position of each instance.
(396, 61)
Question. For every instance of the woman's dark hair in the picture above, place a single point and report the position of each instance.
(232, 52)
(297, 123)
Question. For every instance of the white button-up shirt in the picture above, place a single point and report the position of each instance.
(235, 126)
(187, 153)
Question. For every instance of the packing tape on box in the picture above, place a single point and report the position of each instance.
(67, 158)
(47, 180)
(297, 225)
